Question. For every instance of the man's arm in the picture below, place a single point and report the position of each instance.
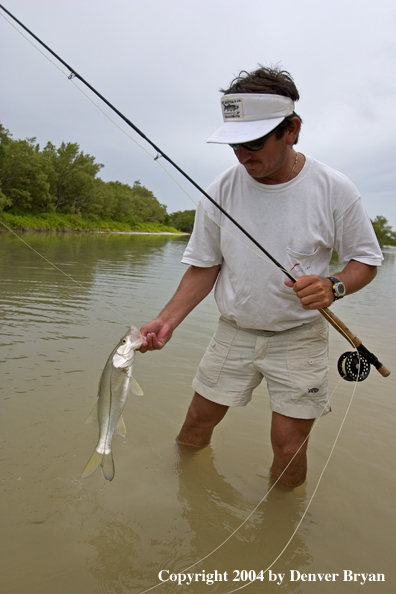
(195, 285)
(315, 292)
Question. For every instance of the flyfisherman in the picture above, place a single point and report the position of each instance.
(269, 327)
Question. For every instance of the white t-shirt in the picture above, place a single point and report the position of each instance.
(299, 223)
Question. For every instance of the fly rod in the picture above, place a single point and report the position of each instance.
(351, 367)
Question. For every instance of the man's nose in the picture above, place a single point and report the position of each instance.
(243, 155)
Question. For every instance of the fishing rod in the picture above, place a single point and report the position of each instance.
(352, 366)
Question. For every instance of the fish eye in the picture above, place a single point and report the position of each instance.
(123, 341)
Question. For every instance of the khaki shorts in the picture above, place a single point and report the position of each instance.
(294, 363)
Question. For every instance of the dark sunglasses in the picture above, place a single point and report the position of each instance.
(254, 145)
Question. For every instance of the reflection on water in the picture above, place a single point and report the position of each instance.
(168, 508)
(215, 502)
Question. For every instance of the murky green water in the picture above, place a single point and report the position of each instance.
(163, 511)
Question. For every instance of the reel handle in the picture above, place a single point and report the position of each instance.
(354, 340)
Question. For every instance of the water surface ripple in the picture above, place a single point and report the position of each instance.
(167, 509)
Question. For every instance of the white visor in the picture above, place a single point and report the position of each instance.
(248, 116)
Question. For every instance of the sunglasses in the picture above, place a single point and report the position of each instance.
(254, 145)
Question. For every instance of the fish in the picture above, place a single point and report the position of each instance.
(115, 384)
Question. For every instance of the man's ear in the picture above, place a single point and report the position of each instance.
(293, 131)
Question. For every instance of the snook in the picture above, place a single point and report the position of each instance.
(115, 384)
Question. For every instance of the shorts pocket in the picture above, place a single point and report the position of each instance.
(307, 361)
(217, 352)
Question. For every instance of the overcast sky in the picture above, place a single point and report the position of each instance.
(162, 62)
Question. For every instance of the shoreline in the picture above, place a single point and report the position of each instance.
(91, 231)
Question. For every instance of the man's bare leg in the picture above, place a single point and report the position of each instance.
(287, 435)
(202, 417)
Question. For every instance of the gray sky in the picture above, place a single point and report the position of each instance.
(162, 63)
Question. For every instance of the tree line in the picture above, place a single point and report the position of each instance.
(65, 180)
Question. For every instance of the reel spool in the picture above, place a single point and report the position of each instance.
(353, 366)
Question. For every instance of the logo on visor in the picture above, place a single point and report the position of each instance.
(232, 109)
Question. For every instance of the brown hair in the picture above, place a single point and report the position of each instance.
(271, 80)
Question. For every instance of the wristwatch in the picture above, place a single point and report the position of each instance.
(338, 288)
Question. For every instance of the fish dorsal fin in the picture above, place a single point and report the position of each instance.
(121, 429)
(136, 389)
(93, 417)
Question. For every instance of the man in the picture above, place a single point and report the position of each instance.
(299, 210)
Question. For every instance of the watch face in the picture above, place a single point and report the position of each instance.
(339, 289)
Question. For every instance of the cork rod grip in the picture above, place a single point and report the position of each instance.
(340, 327)
(384, 371)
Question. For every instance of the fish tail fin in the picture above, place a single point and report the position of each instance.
(93, 464)
(105, 461)
(108, 468)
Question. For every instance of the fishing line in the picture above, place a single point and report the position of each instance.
(271, 259)
(140, 146)
(65, 273)
(313, 494)
(71, 78)
(144, 149)
(331, 318)
(269, 491)
(198, 205)
(160, 153)
(275, 482)
(274, 263)
(29, 41)
(156, 159)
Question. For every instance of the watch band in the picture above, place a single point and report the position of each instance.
(338, 288)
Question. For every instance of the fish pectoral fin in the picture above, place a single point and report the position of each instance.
(121, 429)
(108, 468)
(136, 389)
(93, 417)
(93, 464)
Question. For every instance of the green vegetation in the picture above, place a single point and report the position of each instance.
(182, 220)
(58, 189)
(384, 232)
(63, 222)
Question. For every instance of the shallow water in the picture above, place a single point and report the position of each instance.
(166, 510)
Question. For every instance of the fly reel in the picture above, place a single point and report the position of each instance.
(353, 366)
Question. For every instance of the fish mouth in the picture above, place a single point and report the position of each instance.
(125, 354)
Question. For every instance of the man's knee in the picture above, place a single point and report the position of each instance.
(205, 413)
(289, 437)
(288, 450)
(202, 416)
